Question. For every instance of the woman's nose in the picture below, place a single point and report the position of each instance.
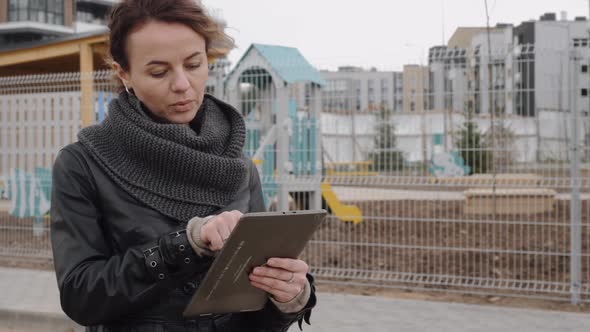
(180, 83)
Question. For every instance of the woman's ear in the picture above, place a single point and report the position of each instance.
(122, 74)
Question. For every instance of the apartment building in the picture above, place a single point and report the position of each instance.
(354, 89)
(458, 77)
(23, 21)
(518, 70)
(552, 55)
(415, 88)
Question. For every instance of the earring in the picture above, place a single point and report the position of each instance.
(126, 88)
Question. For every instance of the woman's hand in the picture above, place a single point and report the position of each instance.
(283, 278)
(217, 229)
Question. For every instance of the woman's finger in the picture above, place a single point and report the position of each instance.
(218, 229)
(215, 239)
(270, 272)
(292, 287)
(236, 215)
(223, 231)
(278, 294)
(232, 223)
(293, 265)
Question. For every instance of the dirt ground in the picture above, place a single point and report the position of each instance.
(435, 241)
(436, 238)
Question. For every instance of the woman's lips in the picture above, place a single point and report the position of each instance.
(183, 106)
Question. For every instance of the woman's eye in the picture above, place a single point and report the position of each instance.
(158, 74)
(193, 65)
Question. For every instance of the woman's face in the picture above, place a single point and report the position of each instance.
(168, 70)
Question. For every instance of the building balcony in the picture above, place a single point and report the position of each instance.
(108, 3)
(32, 27)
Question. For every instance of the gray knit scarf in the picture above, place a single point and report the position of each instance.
(179, 171)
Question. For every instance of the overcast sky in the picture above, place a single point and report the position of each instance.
(383, 33)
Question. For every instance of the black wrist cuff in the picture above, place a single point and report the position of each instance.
(177, 252)
(154, 264)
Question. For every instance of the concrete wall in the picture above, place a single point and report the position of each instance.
(545, 137)
(338, 139)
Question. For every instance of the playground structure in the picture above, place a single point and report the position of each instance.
(278, 92)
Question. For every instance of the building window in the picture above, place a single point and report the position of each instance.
(580, 42)
(43, 11)
(584, 92)
(91, 13)
(584, 68)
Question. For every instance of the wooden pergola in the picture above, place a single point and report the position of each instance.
(79, 53)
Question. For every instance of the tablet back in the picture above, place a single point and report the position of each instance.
(256, 238)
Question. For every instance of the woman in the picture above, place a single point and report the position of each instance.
(162, 175)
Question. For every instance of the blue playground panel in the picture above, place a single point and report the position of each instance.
(252, 142)
(102, 105)
(30, 193)
(43, 175)
(302, 149)
(269, 185)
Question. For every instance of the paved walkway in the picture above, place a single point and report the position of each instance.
(29, 302)
(348, 313)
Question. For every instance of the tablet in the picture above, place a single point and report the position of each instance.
(256, 238)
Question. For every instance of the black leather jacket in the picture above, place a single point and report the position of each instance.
(118, 262)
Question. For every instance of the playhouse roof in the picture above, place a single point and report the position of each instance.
(288, 62)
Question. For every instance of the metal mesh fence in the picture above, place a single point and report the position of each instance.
(39, 114)
(470, 174)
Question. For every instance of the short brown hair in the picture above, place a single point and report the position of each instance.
(131, 14)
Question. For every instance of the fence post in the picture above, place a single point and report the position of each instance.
(282, 147)
(575, 209)
(86, 85)
(316, 146)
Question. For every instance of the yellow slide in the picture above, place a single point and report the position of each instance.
(350, 213)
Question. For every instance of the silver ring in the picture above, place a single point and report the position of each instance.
(292, 277)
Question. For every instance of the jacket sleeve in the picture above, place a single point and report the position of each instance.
(270, 318)
(256, 203)
(97, 285)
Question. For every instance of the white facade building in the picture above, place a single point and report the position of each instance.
(355, 90)
(497, 51)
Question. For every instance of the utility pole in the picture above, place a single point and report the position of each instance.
(575, 179)
(443, 23)
(492, 111)
(575, 209)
